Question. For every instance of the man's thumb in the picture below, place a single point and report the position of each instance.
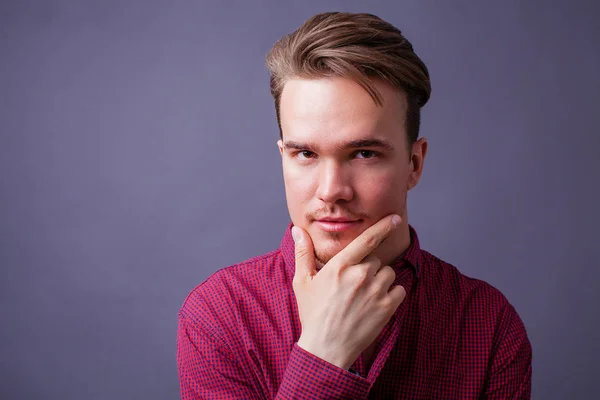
(305, 256)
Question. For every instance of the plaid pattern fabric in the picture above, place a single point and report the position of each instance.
(453, 337)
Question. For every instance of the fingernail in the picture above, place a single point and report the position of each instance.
(295, 234)
(396, 220)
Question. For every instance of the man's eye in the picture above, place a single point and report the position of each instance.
(366, 153)
(306, 154)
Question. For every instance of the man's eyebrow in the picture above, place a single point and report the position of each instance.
(353, 144)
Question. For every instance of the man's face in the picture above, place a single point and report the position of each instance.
(330, 174)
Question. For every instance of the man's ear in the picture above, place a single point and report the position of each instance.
(417, 159)
(280, 145)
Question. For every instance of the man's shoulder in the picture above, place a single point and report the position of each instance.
(446, 283)
(233, 283)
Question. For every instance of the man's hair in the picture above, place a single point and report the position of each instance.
(355, 46)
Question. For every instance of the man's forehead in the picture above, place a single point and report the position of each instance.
(338, 111)
(314, 91)
(335, 99)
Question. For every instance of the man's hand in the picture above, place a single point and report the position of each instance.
(345, 306)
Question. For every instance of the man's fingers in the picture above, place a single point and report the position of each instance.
(305, 256)
(397, 294)
(372, 263)
(367, 241)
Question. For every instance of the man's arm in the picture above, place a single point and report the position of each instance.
(510, 370)
(208, 369)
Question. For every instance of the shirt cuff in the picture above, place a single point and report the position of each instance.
(310, 377)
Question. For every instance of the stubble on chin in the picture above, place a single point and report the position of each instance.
(323, 256)
(321, 259)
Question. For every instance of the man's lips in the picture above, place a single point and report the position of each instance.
(336, 224)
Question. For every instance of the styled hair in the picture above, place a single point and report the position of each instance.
(356, 46)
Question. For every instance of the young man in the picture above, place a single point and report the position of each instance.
(349, 306)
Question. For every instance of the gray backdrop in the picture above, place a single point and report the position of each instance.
(138, 156)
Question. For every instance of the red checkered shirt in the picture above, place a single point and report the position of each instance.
(453, 337)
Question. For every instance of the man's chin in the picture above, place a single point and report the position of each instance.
(332, 241)
(328, 244)
(324, 254)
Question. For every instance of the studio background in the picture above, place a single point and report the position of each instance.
(138, 156)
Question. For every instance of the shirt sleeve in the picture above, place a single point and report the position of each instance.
(310, 377)
(208, 369)
(510, 371)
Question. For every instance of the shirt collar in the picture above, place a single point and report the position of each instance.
(411, 257)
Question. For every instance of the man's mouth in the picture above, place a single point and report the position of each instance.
(337, 224)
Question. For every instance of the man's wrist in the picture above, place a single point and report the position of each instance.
(341, 362)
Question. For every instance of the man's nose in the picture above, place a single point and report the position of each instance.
(334, 182)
